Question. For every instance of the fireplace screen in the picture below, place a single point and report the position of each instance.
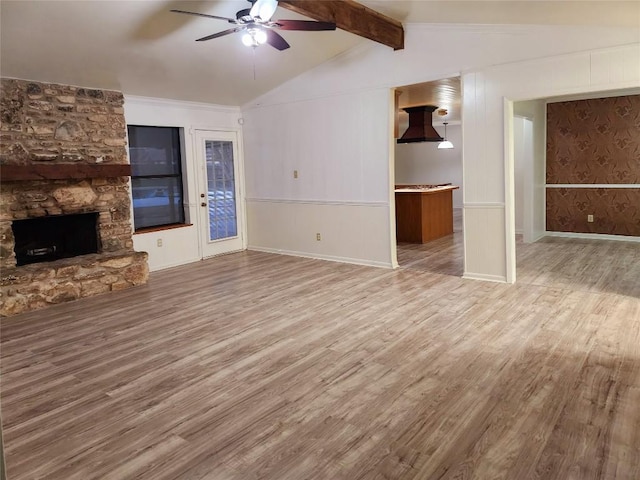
(50, 238)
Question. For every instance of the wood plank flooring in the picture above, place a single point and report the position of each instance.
(259, 366)
(444, 255)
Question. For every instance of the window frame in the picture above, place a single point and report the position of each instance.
(180, 182)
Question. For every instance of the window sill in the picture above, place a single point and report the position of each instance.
(161, 228)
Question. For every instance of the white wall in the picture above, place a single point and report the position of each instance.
(534, 169)
(490, 247)
(523, 155)
(335, 143)
(339, 147)
(179, 245)
(453, 49)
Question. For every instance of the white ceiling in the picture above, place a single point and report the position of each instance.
(140, 48)
(605, 13)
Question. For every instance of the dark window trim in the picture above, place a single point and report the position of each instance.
(180, 176)
(168, 175)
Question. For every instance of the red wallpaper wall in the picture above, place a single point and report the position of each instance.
(594, 141)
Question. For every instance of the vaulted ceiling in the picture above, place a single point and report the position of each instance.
(141, 48)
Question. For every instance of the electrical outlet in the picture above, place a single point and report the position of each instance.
(590, 218)
(318, 238)
(159, 242)
(295, 174)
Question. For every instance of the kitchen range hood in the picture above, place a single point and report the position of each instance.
(420, 125)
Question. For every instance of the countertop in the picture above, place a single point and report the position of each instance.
(426, 188)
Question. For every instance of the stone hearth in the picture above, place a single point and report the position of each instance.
(70, 143)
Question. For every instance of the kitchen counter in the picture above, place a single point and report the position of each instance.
(425, 189)
(423, 212)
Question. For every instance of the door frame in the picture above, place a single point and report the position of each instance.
(200, 169)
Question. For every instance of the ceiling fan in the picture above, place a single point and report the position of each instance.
(259, 28)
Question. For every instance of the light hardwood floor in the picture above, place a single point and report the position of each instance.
(444, 255)
(259, 366)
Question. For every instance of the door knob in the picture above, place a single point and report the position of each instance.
(202, 195)
(203, 204)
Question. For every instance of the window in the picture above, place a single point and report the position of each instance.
(156, 176)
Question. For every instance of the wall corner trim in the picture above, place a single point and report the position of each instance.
(484, 277)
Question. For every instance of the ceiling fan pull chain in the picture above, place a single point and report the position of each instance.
(254, 62)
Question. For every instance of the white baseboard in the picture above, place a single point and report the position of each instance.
(484, 277)
(174, 264)
(310, 201)
(593, 236)
(331, 258)
(537, 237)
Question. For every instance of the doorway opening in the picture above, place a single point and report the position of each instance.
(571, 227)
(427, 185)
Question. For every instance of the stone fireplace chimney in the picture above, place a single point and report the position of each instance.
(63, 152)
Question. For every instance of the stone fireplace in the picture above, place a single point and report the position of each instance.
(65, 221)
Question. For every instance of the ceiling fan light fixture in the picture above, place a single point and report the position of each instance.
(257, 27)
(254, 37)
(261, 36)
(249, 40)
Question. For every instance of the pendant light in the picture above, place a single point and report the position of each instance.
(446, 143)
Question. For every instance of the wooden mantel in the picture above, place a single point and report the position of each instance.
(62, 171)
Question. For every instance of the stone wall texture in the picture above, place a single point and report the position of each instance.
(39, 285)
(46, 124)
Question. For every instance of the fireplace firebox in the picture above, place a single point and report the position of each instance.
(45, 239)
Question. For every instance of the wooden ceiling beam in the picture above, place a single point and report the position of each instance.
(352, 17)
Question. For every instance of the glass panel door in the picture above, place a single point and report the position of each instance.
(221, 190)
(220, 217)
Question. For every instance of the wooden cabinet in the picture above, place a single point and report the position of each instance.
(424, 214)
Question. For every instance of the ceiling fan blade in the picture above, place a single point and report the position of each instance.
(230, 20)
(275, 40)
(304, 25)
(264, 9)
(221, 34)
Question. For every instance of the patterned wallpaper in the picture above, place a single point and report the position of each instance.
(616, 211)
(594, 141)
